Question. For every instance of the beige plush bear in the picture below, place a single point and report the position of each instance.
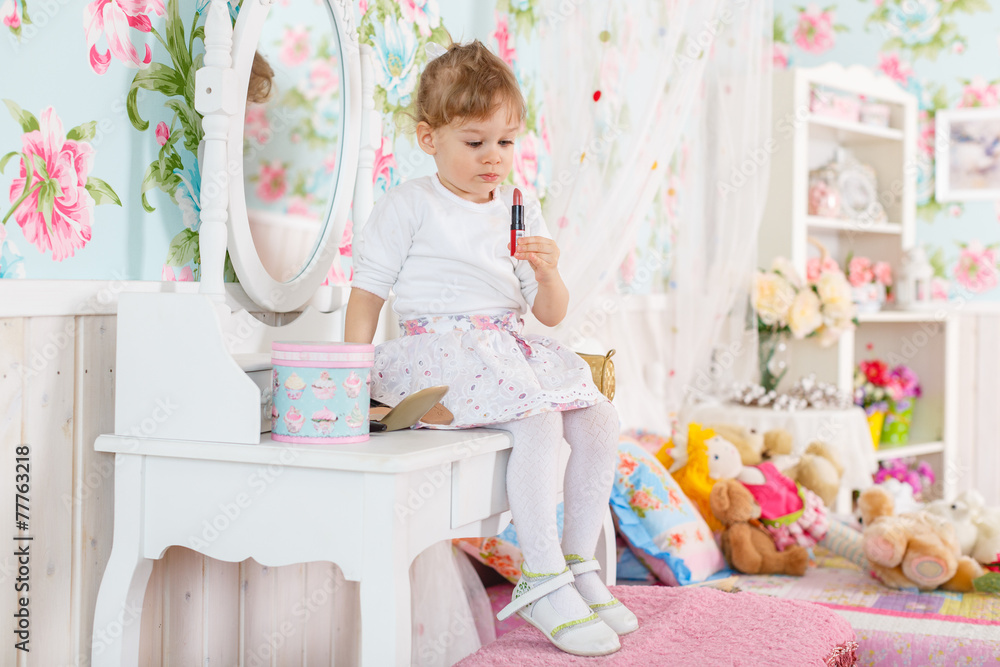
(918, 549)
(818, 469)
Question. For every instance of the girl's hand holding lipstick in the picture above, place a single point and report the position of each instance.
(541, 253)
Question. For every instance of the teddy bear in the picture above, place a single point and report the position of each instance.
(918, 549)
(747, 547)
(818, 469)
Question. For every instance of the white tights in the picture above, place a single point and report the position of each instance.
(592, 434)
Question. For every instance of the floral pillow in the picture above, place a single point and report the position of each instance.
(661, 526)
(503, 552)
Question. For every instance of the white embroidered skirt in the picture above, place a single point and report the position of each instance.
(494, 374)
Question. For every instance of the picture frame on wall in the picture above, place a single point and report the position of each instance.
(967, 154)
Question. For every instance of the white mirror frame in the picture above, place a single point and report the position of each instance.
(220, 96)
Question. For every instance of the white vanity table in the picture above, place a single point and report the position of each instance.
(194, 465)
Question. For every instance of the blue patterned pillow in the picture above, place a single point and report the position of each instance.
(661, 526)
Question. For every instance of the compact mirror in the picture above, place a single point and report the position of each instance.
(292, 147)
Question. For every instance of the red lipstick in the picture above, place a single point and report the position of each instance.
(516, 221)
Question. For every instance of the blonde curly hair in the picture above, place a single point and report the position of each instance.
(468, 81)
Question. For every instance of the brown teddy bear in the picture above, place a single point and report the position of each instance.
(917, 549)
(818, 469)
(747, 547)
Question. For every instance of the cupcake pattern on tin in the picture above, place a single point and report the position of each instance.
(294, 420)
(352, 385)
(294, 386)
(324, 388)
(356, 418)
(323, 419)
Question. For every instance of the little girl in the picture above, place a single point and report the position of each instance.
(441, 244)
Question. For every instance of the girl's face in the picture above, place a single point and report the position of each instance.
(473, 156)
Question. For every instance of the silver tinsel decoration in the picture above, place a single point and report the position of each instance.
(806, 393)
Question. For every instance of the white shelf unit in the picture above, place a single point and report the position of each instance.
(925, 340)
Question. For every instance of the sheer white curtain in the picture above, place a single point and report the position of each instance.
(693, 67)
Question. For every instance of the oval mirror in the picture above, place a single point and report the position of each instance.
(293, 146)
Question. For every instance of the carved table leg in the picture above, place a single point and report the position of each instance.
(119, 600)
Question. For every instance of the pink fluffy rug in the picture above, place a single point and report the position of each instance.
(698, 627)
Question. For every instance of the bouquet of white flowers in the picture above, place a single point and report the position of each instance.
(785, 304)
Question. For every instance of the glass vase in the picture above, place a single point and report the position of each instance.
(772, 358)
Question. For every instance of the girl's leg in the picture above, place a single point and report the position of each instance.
(592, 433)
(531, 492)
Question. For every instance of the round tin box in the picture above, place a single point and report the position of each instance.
(320, 391)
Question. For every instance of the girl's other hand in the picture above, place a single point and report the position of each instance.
(541, 253)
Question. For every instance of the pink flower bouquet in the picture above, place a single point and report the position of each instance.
(871, 283)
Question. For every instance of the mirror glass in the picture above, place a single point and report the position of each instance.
(293, 128)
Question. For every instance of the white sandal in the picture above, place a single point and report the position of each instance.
(587, 636)
(618, 617)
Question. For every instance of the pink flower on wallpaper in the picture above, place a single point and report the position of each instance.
(502, 35)
(980, 93)
(67, 226)
(336, 275)
(976, 269)
(925, 140)
(424, 13)
(256, 126)
(384, 160)
(113, 19)
(780, 56)
(526, 162)
(814, 32)
(323, 79)
(184, 275)
(162, 133)
(896, 69)
(295, 46)
(363, 6)
(347, 239)
(273, 181)
(11, 19)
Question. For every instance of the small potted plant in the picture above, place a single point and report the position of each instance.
(871, 283)
(887, 395)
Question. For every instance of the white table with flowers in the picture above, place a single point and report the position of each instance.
(844, 429)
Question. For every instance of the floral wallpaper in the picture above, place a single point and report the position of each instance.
(943, 51)
(124, 82)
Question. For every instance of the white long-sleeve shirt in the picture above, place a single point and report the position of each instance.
(444, 255)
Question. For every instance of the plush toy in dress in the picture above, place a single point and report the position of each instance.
(790, 513)
(747, 547)
(918, 549)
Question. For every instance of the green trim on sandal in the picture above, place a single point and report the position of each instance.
(602, 605)
(535, 575)
(565, 626)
